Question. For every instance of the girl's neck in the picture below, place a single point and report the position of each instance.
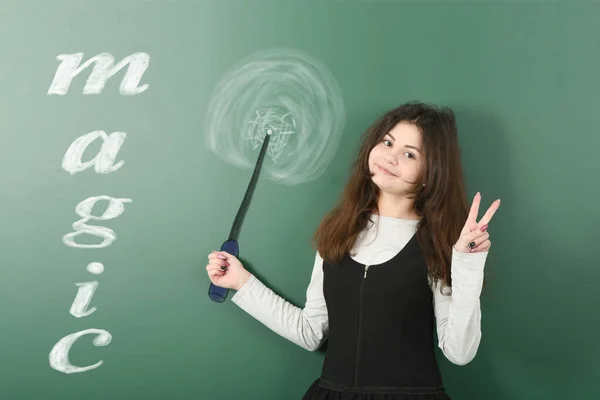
(396, 207)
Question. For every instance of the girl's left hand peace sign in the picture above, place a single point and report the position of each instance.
(474, 237)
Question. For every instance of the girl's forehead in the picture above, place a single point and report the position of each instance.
(406, 132)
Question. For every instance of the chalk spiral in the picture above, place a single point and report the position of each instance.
(288, 93)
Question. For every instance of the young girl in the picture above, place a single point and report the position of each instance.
(399, 255)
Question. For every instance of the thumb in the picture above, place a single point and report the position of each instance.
(226, 254)
(468, 235)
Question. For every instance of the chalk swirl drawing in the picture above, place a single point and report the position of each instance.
(289, 93)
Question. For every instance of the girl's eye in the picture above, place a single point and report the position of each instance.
(411, 155)
(387, 143)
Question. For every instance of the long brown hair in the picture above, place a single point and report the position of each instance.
(441, 204)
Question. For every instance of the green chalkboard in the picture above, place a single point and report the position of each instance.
(118, 178)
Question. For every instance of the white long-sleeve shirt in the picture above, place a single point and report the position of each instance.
(458, 315)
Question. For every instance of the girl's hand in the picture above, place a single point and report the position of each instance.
(226, 271)
(474, 237)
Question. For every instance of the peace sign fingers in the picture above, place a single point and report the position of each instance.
(474, 237)
(472, 218)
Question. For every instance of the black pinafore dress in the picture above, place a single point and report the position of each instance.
(381, 327)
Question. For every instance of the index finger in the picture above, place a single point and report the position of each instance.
(472, 218)
(490, 213)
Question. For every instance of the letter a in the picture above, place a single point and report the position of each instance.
(104, 160)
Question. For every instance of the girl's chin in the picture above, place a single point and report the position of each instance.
(385, 186)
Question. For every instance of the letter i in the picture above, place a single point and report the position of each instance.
(85, 292)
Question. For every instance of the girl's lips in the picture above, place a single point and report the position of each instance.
(385, 171)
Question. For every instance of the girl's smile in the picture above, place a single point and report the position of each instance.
(385, 171)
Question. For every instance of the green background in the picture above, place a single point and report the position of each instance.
(523, 79)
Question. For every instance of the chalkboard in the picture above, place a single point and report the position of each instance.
(130, 131)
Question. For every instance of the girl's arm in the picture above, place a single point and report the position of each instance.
(307, 327)
(459, 314)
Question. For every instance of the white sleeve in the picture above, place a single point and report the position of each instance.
(458, 315)
(307, 327)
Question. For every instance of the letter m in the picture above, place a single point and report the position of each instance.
(104, 68)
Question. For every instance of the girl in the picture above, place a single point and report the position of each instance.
(400, 253)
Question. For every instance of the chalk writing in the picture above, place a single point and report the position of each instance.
(102, 163)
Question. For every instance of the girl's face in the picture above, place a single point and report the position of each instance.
(396, 161)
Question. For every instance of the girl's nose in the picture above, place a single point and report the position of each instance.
(390, 160)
